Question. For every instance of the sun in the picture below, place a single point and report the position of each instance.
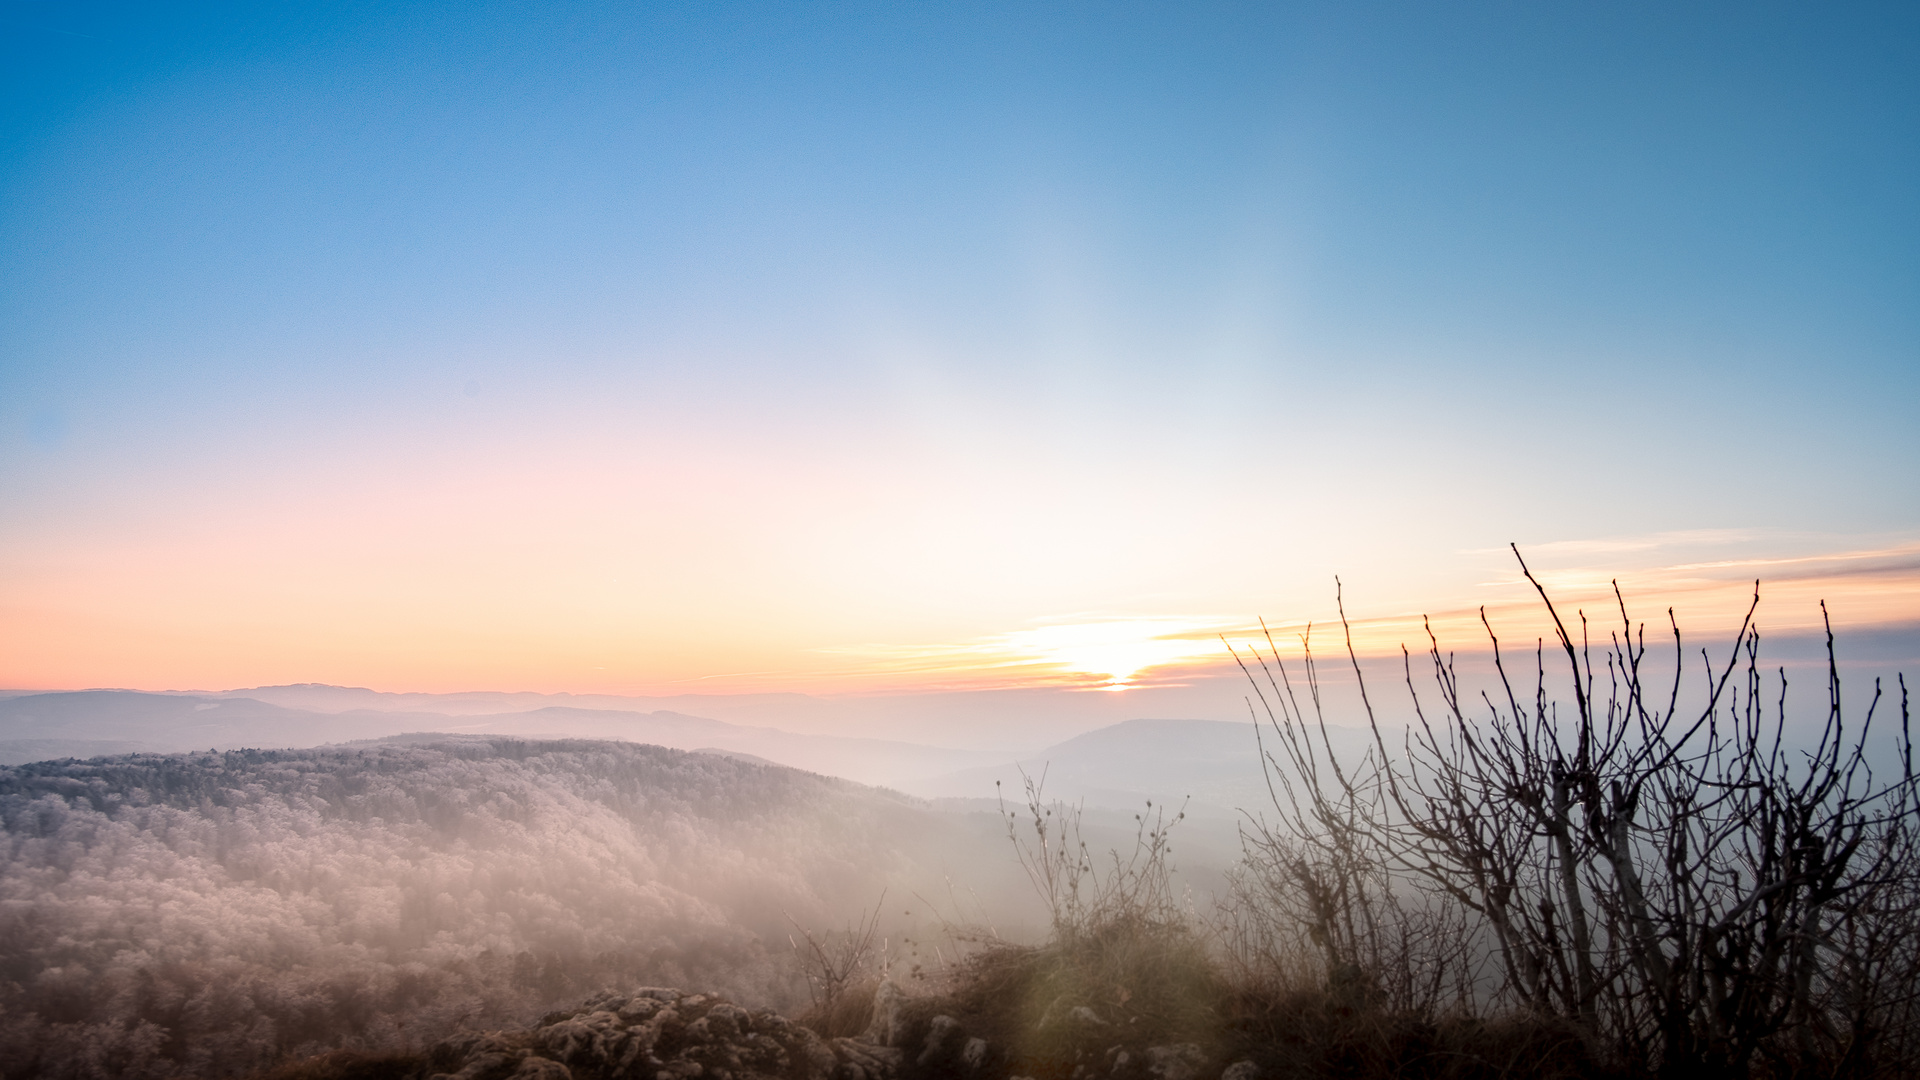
(1080, 652)
(1115, 650)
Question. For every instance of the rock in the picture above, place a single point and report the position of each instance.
(663, 1035)
(482, 1064)
(593, 1037)
(666, 1020)
(886, 1028)
(1178, 1061)
(814, 1051)
(1080, 1014)
(729, 1021)
(974, 1054)
(1241, 1070)
(639, 1009)
(942, 1039)
(861, 1060)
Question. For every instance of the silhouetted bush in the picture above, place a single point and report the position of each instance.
(1677, 886)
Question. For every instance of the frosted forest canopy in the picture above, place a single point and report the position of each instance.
(210, 913)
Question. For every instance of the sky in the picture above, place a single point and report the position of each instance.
(855, 349)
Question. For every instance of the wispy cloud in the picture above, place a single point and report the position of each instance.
(1864, 586)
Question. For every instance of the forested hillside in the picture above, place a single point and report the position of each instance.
(207, 913)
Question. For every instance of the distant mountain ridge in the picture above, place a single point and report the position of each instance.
(1119, 766)
(88, 723)
(1010, 721)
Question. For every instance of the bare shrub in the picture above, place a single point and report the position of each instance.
(1125, 960)
(1316, 901)
(1675, 882)
(833, 961)
(1084, 893)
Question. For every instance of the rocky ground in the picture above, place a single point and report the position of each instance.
(658, 1034)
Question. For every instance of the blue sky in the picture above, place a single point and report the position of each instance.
(643, 339)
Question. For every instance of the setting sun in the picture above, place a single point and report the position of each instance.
(1117, 650)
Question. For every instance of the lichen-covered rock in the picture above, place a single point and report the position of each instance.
(943, 1042)
(887, 1028)
(1082, 1016)
(1241, 1070)
(597, 1035)
(1178, 1061)
(859, 1060)
(656, 1034)
(487, 1063)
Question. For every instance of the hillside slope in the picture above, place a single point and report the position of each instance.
(207, 913)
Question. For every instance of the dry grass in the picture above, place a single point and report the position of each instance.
(1101, 999)
(848, 1014)
(1311, 1033)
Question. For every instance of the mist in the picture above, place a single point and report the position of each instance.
(212, 913)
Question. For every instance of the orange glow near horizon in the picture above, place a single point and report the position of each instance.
(696, 611)
(1863, 588)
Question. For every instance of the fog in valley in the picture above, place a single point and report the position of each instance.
(211, 912)
(176, 911)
